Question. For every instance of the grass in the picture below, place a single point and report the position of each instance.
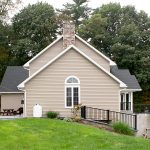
(122, 128)
(47, 134)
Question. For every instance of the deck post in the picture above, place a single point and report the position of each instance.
(135, 127)
(108, 115)
(83, 112)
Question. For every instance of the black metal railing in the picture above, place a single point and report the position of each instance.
(107, 116)
(141, 108)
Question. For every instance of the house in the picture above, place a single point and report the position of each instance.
(68, 72)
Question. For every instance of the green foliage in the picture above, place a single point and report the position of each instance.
(6, 5)
(122, 128)
(52, 114)
(34, 27)
(68, 119)
(76, 113)
(121, 33)
(54, 134)
(77, 12)
(23, 50)
(5, 44)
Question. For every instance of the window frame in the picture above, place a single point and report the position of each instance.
(72, 86)
(125, 101)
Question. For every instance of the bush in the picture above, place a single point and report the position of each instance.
(68, 120)
(76, 113)
(122, 128)
(52, 114)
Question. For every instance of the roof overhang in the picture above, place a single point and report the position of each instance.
(26, 65)
(112, 63)
(11, 92)
(130, 90)
(22, 85)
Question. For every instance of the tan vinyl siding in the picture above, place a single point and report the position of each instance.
(11, 101)
(46, 56)
(48, 89)
(58, 48)
(92, 54)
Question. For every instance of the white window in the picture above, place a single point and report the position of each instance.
(125, 101)
(72, 91)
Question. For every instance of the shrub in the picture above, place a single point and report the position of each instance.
(52, 114)
(122, 128)
(75, 113)
(68, 120)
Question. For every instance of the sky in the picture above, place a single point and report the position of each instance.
(139, 4)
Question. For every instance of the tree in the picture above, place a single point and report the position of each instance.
(6, 5)
(36, 26)
(4, 47)
(77, 12)
(124, 37)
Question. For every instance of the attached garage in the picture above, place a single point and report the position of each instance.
(10, 96)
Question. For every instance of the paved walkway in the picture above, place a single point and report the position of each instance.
(10, 117)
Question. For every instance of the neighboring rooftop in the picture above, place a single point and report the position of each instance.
(13, 76)
(125, 76)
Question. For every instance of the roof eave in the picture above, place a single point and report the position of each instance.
(122, 85)
(132, 90)
(112, 63)
(26, 65)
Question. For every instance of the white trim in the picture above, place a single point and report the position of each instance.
(72, 86)
(26, 65)
(72, 77)
(125, 100)
(130, 90)
(112, 63)
(122, 85)
(131, 96)
(12, 92)
(25, 110)
(119, 101)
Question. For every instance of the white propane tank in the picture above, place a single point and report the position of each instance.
(37, 110)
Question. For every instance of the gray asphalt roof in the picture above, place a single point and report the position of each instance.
(125, 76)
(13, 76)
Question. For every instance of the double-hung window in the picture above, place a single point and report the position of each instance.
(125, 101)
(72, 91)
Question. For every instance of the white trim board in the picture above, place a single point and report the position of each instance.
(112, 63)
(26, 65)
(11, 92)
(130, 90)
(122, 85)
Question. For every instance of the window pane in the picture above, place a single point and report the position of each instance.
(122, 95)
(69, 80)
(75, 80)
(122, 102)
(69, 92)
(69, 101)
(69, 97)
(127, 102)
(72, 80)
(75, 96)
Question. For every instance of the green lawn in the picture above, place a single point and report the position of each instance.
(46, 134)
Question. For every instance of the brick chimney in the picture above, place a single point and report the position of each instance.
(68, 34)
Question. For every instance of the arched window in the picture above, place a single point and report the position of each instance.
(72, 91)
